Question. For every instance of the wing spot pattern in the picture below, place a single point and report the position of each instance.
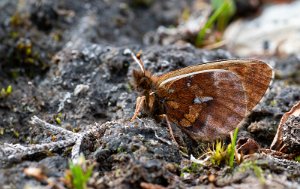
(199, 100)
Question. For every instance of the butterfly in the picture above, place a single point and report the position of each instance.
(206, 101)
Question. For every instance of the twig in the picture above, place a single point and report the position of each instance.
(162, 139)
(76, 148)
(18, 151)
(37, 121)
(11, 152)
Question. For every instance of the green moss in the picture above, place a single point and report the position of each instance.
(9, 90)
(58, 118)
(24, 59)
(14, 74)
(5, 92)
(129, 88)
(182, 174)
(120, 149)
(14, 34)
(273, 103)
(68, 151)
(58, 121)
(218, 153)
(16, 133)
(57, 37)
(193, 168)
(252, 165)
(297, 158)
(16, 20)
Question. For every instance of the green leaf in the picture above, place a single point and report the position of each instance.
(223, 11)
(9, 89)
(80, 176)
(233, 142)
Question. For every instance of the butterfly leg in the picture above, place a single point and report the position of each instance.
(170, 129)
(138, 106)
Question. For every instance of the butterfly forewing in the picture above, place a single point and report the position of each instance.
(254, 75)
(207, 104)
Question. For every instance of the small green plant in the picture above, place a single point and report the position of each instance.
(16, 20)
(15, 132)
(273, 103)
(57, 118)
(192, 168)
(231, 148)
(297, 158)
(225, 16)
(6, 92)
(218, 153)
(223, 10)
(79, 173)
(58, 121)
(252, 165)
(121, 149)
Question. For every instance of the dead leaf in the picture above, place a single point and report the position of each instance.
(35, 172)
(247, 146)
(287, 138)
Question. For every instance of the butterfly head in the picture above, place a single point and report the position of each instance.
(142, 78)
(141, 81)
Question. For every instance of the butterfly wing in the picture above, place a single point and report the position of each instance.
(207, 105)
(255, 76)
(208, 101)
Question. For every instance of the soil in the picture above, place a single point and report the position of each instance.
(69, 60)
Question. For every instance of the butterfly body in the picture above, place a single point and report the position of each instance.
(206, 101)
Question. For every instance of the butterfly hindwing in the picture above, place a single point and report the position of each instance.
(206, 104)
(254, 75)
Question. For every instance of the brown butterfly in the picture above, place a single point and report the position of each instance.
(206, 101)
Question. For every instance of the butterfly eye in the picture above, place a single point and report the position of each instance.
(145, 83)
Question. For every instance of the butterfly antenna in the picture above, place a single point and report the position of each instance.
(138, 60)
